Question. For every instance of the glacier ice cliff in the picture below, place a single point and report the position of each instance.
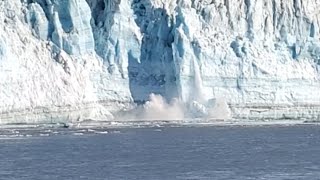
(69, 60)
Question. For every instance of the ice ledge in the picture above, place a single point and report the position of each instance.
(109, 112)
(97, 111)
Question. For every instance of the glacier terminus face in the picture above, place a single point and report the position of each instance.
(72, 60)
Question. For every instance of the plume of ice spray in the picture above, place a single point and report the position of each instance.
(157, 108)
(220, 110)
(198, 106)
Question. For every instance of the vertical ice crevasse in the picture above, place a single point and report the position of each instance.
(82, 41)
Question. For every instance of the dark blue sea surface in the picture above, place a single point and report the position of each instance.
(231, 152)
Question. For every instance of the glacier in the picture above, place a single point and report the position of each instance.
(72, 60)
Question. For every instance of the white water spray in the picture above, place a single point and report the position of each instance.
(220, 110)
(158, 109)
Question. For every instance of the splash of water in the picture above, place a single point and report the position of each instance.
(157, 108)
(220, 110)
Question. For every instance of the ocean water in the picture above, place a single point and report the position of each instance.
(224, 152)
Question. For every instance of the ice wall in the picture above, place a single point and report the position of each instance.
(80, 59)
(260, 55)
(65, 22)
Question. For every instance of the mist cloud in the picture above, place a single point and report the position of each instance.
(158, 108)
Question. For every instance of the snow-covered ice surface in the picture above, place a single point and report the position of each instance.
(73, 60)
